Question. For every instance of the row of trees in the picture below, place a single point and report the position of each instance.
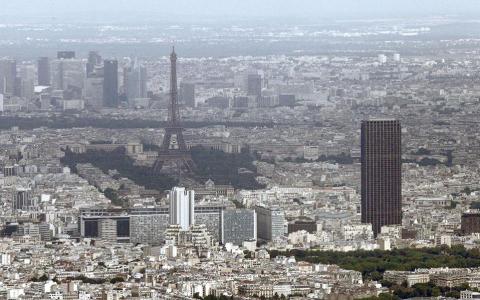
(372, 264)
(223, 297)
(221, 167)
(115, 197)
(85, 279)
(429, 161)
(74, 121)
(342, 159)
(212, 297)
(118, 160)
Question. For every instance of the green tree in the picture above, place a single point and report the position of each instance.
(117, 279)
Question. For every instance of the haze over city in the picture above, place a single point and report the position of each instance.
(266, 149)
(114, 10)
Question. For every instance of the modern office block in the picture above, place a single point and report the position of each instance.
(8, 76)
(381, 174)
(94, 60)
(45, 231)
(135, 82)
(239, 225)
(110, 83)
(23, 199)
(43, 71)
(470, 222)
(211, 217)
(94, 89)
(270, 222)
(146, 225)
(182, 203)
(25, 85)
(67, 73)
(148, 228)
(91, 224)
(108, 230)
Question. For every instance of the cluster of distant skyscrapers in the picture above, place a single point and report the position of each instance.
(97, 81)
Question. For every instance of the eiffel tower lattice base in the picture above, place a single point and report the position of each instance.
(174, 152)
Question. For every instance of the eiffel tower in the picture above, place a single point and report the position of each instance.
(173, 150)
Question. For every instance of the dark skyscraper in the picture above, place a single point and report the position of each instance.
(17, 87)
(381, 173)
(8, 75)
(94, 59)
(43, 71)
(110, 83)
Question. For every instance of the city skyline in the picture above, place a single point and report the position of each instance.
(239, 150)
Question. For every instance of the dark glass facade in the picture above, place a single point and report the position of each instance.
(470, 223)
(91, 228)
(309, 226)
(43, 71)
(110, 83)
(123, 227)
(381, 173)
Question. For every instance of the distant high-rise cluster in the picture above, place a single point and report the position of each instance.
(68, 81)
(68, 73)
(135, 81)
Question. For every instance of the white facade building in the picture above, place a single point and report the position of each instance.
(182, 206)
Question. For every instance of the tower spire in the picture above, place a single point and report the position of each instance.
(174, 110)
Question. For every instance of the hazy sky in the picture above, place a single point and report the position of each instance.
(111, 9)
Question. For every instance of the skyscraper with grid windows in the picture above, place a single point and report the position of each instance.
(381, 174)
